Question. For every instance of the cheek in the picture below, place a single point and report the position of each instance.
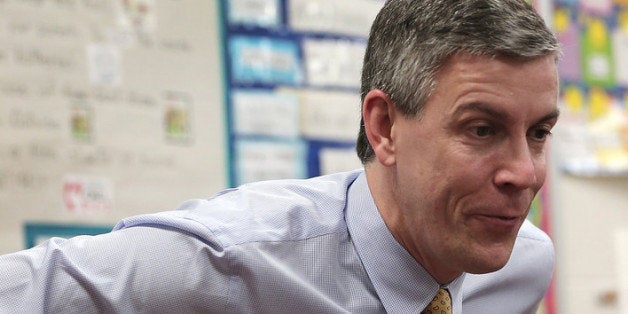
(454, 171)
(464, 169)
(540, 166)
(541, 172)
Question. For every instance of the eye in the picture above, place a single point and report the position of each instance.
(483, 131)
(540, 134)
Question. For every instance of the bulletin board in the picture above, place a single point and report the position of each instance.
(107, 109)
(593, 129)
(292, 72)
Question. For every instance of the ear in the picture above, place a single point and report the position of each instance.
(378, 113)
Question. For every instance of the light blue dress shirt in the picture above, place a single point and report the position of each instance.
(290, 246)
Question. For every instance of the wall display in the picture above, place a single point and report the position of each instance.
(593, 130)
(262, 13)
(107, 109)
(266, 113)
(292, 85)
(256, 59)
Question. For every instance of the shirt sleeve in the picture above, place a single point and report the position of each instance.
(139, 270)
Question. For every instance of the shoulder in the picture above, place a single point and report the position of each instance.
(525, 278)
(276, 210)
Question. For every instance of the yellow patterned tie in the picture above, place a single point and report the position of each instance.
(441, 304)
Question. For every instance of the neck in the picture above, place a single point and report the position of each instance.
(382, 185)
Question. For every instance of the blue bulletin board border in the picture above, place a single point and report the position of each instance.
(36, 232)
(276, 35)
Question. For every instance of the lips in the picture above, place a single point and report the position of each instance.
(498, 223)
(505, 217)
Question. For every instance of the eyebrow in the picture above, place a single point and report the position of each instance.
(497, 114)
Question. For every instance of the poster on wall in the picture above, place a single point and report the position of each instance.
(105, 110)
(593, 130)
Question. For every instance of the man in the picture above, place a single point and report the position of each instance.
(458, 101)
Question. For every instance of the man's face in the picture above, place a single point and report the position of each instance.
(466, 170)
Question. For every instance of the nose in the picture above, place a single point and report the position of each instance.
(518, 167)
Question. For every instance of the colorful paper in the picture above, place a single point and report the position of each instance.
(265, 60)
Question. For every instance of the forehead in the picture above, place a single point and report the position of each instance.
(512, 84)
(467, 65)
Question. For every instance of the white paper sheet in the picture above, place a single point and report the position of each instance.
(266, 113)
(334, 160)
(330, 115)
(333, 62)
(351, 17)
(267, 160)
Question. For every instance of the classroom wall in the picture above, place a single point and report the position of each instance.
(587, 214)
(107, 109)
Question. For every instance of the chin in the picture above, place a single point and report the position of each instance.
(487, 261)
(486, 268)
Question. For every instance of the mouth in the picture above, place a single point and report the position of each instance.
(498, 222)
(506, 218)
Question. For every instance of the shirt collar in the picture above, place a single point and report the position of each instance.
(401, 283)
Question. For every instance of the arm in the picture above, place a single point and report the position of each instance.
(129, 270)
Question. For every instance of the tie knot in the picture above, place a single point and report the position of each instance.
(441, 304)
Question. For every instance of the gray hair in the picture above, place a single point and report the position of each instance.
(411, 40)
